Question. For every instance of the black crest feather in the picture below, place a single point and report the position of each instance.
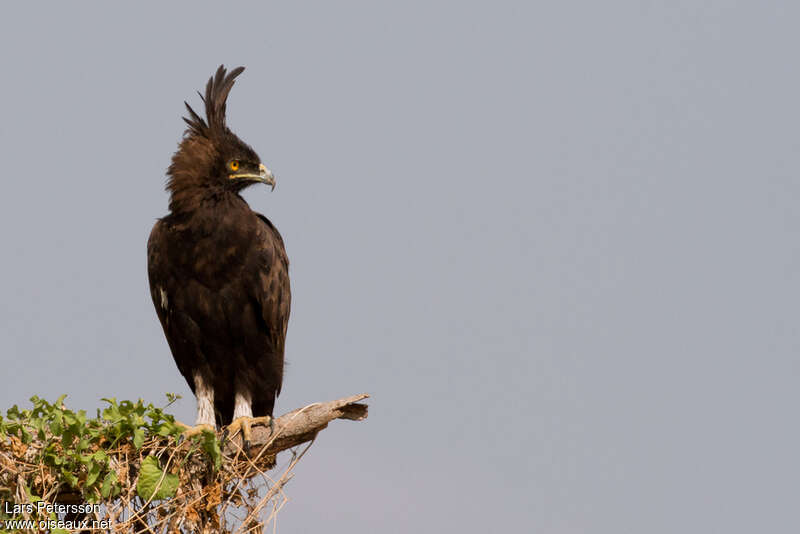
(216, 96)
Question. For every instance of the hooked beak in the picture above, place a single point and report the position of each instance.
(264, 176)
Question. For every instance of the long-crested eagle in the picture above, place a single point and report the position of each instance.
(219, 273)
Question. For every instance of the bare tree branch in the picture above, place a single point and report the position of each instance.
(300, 425)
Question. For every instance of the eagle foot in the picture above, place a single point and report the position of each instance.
(191, 431)
(244, 425)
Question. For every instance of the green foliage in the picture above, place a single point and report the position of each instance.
(211, 447)
(149, 487)
(79, 449)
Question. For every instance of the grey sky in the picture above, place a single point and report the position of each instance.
(556, 242)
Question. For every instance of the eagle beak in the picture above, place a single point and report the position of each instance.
(266, 176)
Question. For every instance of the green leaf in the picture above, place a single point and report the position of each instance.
(148, 486)
(69, 418)
(94, 472)
(37, 424)
(56, 425)
(125, 407)
(111, 413)
(109, 484)
(138, 438)
(168, 428)
(37, 402)
(211, 446)
(13, 428)
(71, 479)
(13, 412)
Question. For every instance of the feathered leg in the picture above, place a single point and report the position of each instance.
(243, 419)
(205, 408)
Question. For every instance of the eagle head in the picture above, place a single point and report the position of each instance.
(210, 157)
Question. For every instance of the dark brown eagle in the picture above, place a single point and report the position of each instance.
(219, 273)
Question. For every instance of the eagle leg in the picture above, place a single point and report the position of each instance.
(244, 424)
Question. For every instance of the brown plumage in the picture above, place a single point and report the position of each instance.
(219, 271)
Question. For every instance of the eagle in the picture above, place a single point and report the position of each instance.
(219, 273)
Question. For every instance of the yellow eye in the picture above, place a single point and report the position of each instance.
(234, 165)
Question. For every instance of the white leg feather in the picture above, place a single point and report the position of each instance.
(242, 405)
(205, 401)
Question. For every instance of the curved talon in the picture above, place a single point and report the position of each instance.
(244, 425)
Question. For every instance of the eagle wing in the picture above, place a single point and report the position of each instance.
(273, 291)
(164, 286)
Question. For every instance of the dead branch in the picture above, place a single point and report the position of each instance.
(300, 425)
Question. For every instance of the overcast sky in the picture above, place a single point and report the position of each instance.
(556, 242)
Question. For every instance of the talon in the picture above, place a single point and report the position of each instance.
(244, 425)
(265, 420)
(241, 424)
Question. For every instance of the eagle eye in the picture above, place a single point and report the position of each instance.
(233, 165)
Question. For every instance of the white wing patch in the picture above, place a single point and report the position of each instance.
(164, 300)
